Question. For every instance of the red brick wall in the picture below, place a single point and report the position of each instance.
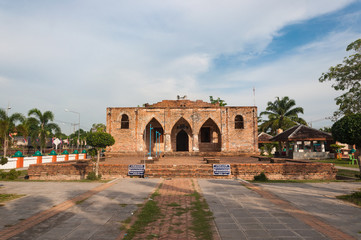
(195, 114)
(274, 171)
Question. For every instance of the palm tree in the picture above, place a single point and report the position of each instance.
(7, 124)
(282, 114)
(41, 125)
(24, 129)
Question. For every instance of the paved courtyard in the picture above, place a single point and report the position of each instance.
(83, 210)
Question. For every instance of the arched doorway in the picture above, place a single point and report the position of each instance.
(156, 139)
(181, 136)
(209, 137)
(182, 141)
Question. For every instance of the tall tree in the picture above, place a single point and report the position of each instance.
(7, 125)
(282, 114)
(82, 137)
(221, 102)
(348, 130)
(98, 127)
(347, 77)
(42, 127)
(24, 129)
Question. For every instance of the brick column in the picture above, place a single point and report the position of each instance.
(168, 144)
(195, 143)
(39, 159)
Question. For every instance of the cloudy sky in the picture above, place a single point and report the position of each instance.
(87, 55)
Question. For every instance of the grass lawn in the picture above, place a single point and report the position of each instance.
(338, 162)
(353, 197)
(7, 197)
(202, 218)
(149, 213)
(348, 173)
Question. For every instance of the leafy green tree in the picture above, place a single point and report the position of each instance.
(82, 136)
(7, 125)
(326, 129)
(98, 127)
(221, 102)
(348, 130)
(347, 77)
(281, 113)
(99, 141)
(41, 125)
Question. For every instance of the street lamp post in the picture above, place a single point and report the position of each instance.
(67, 110)
(6, 133)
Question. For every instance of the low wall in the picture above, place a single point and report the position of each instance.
(23, 162)
(274, 171)
(312, 155)
(182, 154)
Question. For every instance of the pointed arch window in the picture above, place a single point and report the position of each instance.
(125, 122)
(238, 122)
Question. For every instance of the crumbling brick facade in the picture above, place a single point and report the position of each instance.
(183, 126)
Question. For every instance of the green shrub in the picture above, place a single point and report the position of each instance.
(261, 177)
(3, 174)
(13, 174)
(3, 161)
(92, 176)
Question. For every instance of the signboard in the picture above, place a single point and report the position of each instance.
(136, 170)
(221, 169)
(56, 142)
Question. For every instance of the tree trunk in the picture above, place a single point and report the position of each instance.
(97, 163)
(5, 144)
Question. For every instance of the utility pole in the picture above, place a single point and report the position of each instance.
(6, 132)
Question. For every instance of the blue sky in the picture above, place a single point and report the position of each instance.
(87, 55)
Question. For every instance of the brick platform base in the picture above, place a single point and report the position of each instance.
(246, 171)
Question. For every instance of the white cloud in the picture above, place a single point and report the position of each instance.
(89, 54)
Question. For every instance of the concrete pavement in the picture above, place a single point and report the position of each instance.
(320, 200)
(240, 211)
(98, 217)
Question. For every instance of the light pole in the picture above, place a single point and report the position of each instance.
(6, 133)
(67, 110)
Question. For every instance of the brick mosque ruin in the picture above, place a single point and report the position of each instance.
(187, 133)
(183, 126)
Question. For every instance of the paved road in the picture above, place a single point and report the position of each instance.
(319, 199)
(241, 213)
(98, 217)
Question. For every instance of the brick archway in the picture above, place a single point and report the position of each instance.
(182, 142)
(159, 141)
(179, 126)
(209, 137)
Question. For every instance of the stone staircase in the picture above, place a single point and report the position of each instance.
(168, 171)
